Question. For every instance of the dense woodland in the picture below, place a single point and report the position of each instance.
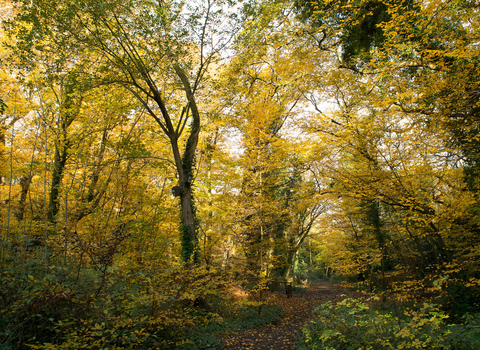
(306, 139)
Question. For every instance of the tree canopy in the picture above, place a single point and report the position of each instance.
(303, 139)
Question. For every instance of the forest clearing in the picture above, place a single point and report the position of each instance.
(168, 166)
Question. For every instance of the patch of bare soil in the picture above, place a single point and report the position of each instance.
(297, 312)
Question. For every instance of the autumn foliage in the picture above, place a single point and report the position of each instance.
(307, 139)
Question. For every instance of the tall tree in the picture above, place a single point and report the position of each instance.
(276, 197)
(153, 50)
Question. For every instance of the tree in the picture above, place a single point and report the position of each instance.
(351, 27)
(400, 73)
(151, 49)
(277, 200)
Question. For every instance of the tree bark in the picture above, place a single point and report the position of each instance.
(69, 109)
(25, 185)
(59, 161)
(185, 168)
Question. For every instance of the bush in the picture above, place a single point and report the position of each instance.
(312, 275)
(125, 308)
(461, 299)
(353, 324)
(337, 279)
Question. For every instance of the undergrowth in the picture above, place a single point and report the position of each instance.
(356, 324)
(121, 308)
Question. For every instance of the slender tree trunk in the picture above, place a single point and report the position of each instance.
(25, 185)
(3, 143)
(209, 149)
(290, 261)
(59, 161)
(69, 109)
(373, 219)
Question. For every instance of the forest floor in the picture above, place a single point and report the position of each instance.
(298, 311)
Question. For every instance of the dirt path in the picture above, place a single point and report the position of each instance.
(297, 313)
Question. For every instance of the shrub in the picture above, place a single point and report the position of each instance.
(461, 299)
(337, 279)
(353, 324)
(312, 275)
(123, 309)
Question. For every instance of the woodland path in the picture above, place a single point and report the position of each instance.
(297, 312)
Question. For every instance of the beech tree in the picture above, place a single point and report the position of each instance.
(277, 198)
(399, 136)
(342, 132)
(160, 52)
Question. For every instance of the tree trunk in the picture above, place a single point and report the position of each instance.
(373, 219)
(188, 228)
(25, 185)
(2, 150)
(69, 109)
(59, 162)
(185, 168)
